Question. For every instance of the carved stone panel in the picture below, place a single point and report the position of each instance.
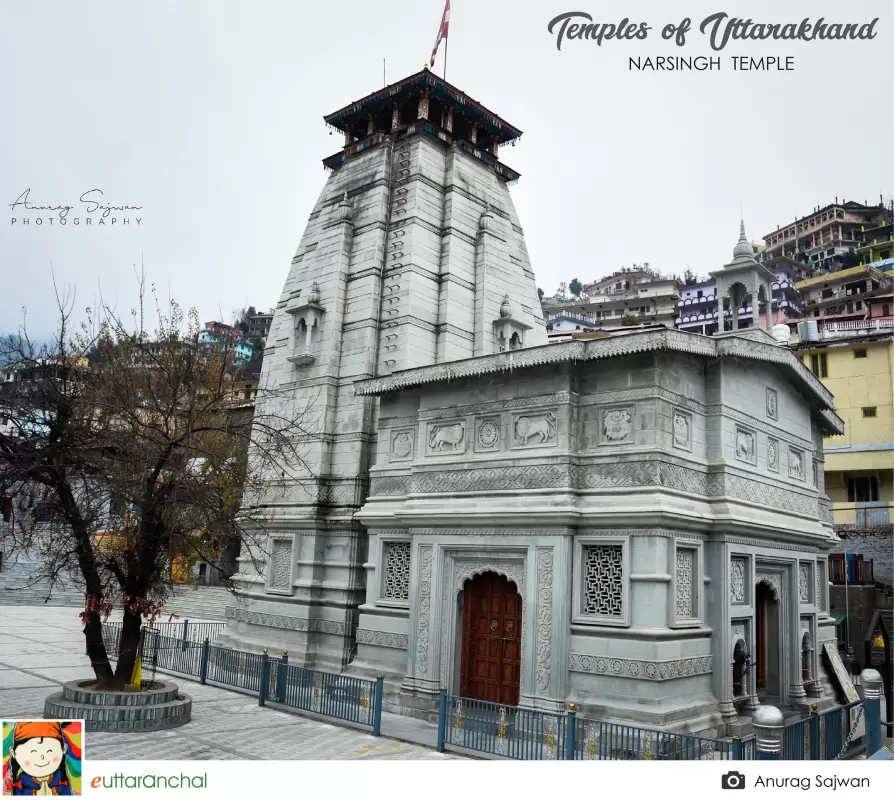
(447, 437)
(745, 445)
(280, 575)
(544, 618)
(682, 430)
(804, 583)
(738, 569)
(772, 404)
(402, 444)
(424, 604)
(773, 455)
(531, 430)
(487, 434)
(796, 463)
(616, 425)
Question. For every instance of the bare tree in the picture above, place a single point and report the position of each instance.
(131, 447)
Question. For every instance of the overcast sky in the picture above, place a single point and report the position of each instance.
(208, 115)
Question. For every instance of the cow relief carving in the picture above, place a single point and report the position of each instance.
(447, 437)
(538, 430)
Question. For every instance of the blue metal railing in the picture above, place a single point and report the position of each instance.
(526, 733)
(501, 730)
(596, 740)
(821, 736)
(272, 679)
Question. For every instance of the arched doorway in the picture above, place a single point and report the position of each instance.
(490, 667)
(767, 622)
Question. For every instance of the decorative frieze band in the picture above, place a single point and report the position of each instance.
(382, 639)
(641, 670)
(627, 474)
(285, 622)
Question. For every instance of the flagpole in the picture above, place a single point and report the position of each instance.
(446, 42)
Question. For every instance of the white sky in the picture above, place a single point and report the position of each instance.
(209, 116)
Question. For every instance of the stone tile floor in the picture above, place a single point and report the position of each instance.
(41, 647)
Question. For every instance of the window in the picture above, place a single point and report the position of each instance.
(862, 490)
(396, 556)
(819, 365)
(869, 411)
(603, 579)
(860, 352)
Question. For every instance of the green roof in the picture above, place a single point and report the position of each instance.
(839, 618)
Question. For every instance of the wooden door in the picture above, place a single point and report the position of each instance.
(491, 647)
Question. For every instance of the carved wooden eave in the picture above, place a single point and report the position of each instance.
(740, 347)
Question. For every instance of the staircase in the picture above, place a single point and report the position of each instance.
(200, 603)
(18, 587)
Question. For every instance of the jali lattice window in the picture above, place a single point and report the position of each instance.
(604, 580)
(281, 564)
(685, 586)
(397, 571)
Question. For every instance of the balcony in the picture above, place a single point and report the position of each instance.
(862, 516)
(857, 327)
(430, 129)
(859, 571)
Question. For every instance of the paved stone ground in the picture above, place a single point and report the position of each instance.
(42, 647)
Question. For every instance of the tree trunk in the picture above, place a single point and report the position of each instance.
(96, 649)
(131, 629)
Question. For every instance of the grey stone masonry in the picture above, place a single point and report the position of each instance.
(413, 255)
(627, 489)
(163, 707)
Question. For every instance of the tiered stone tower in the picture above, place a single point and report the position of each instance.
(412, 256)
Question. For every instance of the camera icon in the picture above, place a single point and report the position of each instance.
(732, 780)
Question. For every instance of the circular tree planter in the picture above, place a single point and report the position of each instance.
(159, 705)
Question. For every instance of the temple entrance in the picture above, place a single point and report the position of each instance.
(767, 644)
(491, 640)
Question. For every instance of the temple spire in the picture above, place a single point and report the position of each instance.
(743, 246)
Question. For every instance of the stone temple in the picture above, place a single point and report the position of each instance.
(636, 524)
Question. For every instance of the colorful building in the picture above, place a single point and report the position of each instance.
(637, 292)
(828, 237)
(697, 309)
(856, 364)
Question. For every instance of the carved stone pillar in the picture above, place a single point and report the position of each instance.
(348, 138)
(473, 137)
(422, 112)
(495, 148)
(370, 125)
(395, 117)
(448, 121)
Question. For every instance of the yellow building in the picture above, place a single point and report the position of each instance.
(856, 364)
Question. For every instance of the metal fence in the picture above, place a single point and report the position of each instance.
(189, 631)
(272, 679)
(500, 730)
(825, 736)
(525, 733)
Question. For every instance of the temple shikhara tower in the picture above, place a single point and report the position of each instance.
(413, 255)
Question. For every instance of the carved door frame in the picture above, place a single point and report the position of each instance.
(459, 565)
(777, 577)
